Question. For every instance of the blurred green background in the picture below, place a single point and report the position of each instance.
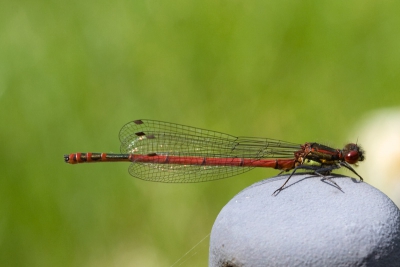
(72, 73)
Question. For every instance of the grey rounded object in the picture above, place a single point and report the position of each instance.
(310, 223)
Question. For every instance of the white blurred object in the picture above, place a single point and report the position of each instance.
(379, 135)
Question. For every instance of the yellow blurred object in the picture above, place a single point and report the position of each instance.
(379, 135)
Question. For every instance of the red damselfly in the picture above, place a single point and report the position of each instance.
(173, 153)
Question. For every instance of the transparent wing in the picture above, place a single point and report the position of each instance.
(174, 173)
(146, 137)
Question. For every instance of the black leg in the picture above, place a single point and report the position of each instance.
(305, 167)
(319, 170)
(347, 166)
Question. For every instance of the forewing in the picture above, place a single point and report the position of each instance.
(144, 137)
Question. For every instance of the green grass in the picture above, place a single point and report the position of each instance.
(72, 73)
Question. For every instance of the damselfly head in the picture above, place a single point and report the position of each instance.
(353, 153)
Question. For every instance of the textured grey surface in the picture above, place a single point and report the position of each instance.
(310, 223)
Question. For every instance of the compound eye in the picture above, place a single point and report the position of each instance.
(352, 157)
